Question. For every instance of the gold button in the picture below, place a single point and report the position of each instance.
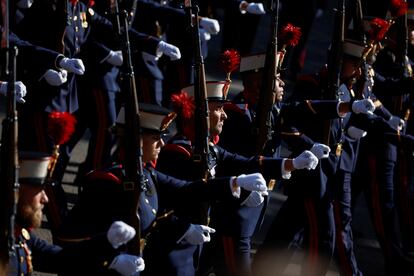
(21, 259)
(154, 211)
(75, 18)
(76, 29)
(146, 201)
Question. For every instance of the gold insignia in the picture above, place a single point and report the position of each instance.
(25, 234)
(167, 120)
(84, 20)
(271, 185)
(338, 150)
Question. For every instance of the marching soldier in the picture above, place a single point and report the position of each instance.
(312, 194)
(230, 252)
(97, 255)
(161, 195)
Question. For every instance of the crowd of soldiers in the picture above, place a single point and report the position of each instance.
(343, 131)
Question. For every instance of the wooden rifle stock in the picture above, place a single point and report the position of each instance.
(268, 90)
(335, 63)
(201, 112)
(9, 163)
(134, 181)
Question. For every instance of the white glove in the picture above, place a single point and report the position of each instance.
(356, 133)
(365, 106)
(396, 123)
(251, 182)
(56, 78)
(255, 8)
(120, 233)
(305, 160)
(169, 50)
(73, 65)
(198, 234)
(20, 90)
(204, 35)
(210, 25)
(254, 199)
(115, 58)
(127, 264)
(320, 150)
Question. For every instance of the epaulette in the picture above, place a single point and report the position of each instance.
(176, 148)
(111, 174)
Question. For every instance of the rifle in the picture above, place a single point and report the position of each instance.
(335, 62)
(134, 180)
(201, 113)
(268, 92)
(9, 163)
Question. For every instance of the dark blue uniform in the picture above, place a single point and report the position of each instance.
(226, 217)
(311, 194)
(81, 28)
(153, 18)
(90, 257)
(161, 226)
(382, 189)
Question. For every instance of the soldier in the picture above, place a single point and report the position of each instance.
(85, 26)
(379, 157)
(313, 203)
(97, 255)
(161, 228)
(231, 251)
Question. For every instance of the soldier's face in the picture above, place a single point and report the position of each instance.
(217, 117)
(279, 89)
(32, 199)
(151, 147)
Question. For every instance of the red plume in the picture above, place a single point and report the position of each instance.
(398, 8)
(290, 35)
(61, 126)
(229, 60)
(379, 28)
(183, 104)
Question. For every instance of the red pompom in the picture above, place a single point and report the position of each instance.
(290, 35)
(183, 104)
(61, 126)
(91, 3)
(398, 8)
(229, 60)
(378, 30)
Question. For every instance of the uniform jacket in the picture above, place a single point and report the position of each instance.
(89, 257)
